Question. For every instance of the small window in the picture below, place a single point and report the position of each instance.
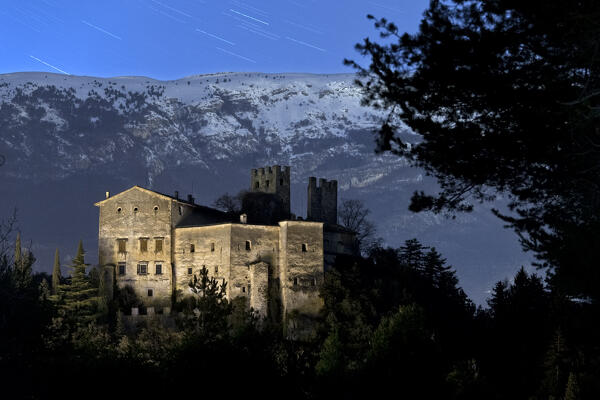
(158, 245)
(122, 245)
(281, 182)
(135, 209)
(158, 269)
(143, 244)
(142, 269)
(248, 245)
(212, 247)
(243, 289)
(180, 210)
(155, 208)
(121, 268)
(295, 281)
(150, 292)
(256, 185)
(119, 210)
(267, 183)
(216, 270)
(304, 247)
(189, 270)
(192, 248)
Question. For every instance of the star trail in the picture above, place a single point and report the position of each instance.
(168, 39)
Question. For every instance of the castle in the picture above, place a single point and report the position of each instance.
(156, 243)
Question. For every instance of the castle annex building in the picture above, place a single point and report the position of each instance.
(156, 242)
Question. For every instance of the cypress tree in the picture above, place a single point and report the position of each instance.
(56, 276)
(18, 252)
(22, 265)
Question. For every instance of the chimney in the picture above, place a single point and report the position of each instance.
(107, 195)
(243, 218)
(190, 199)
(176, 195)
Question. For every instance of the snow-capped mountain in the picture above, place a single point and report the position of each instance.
(68, 139)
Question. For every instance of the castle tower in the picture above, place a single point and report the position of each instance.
(275, 180)
(322, 201)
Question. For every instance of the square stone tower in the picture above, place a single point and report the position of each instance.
(322, 201)
(275, 180)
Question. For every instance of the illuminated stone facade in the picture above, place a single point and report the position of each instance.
(155, 243)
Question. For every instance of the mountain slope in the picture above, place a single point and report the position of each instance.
(68, 139)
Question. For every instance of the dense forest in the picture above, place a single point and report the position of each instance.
(394, 321)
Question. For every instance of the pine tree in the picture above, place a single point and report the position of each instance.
(555, 365)
(210, 308)
(572, 391)
(412, 254)
(56, 275)
(79, 299)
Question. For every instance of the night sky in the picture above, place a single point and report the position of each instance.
(170, 39)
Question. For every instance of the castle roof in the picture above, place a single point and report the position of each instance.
(155, 193)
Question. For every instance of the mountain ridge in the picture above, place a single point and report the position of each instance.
(203, 133)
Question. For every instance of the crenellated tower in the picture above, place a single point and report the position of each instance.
(322, 200)
(275, 180)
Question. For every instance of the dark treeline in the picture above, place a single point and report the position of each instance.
(394, 321)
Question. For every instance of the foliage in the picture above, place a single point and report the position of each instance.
(229, 204)
(208, 311)
(56, 274)
(504, 95)
(78, 300)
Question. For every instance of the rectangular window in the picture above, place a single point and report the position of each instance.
(143, 244)
(189, 271)
(150, 292)
(295, 281)
(122, 245)
(216, 270)
(142, 269)
(304, 247)
(192, 248)
(158, 245)
(243, 289)
(158, 269)
(121, 268)
(248, 245)
(212, 247)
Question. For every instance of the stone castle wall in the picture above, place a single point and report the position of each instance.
(130, 218)
(286, 261)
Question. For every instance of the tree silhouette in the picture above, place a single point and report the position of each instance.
(505, 96)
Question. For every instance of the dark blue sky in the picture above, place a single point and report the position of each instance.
(169, 39)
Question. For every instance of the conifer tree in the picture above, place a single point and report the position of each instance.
(23, 261)
(412, 254)
(572, 391)
(79, 299)
(56, 275)
(210, 308)
(18, 251)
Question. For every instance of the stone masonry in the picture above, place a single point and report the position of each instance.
(155, 243)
